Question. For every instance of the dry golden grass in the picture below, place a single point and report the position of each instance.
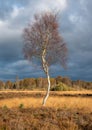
(58, 92)
(53, 102)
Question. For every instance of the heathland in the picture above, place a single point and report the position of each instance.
(64, 110)
(69, 106)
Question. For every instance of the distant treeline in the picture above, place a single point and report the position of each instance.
(41, 83)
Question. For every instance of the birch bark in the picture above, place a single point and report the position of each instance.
(46, 70)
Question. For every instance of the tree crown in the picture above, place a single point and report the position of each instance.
(43, 34)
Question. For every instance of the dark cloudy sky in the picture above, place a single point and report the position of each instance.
(75, 25)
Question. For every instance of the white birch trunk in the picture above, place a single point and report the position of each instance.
(48, 91)
(46, 70)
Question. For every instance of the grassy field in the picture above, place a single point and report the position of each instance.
(23, 110)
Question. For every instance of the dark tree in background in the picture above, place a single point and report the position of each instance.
(43, 40)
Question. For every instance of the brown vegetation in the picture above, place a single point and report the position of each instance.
(22, 110)
(44, 119)
(38, 94)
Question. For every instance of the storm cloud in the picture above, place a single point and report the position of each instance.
(75, 26)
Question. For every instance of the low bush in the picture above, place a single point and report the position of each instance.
(5, 107)
(21, 106)
(61, 87)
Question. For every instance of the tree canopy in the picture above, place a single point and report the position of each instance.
(43, 33)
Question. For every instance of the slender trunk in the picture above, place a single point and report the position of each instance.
(46, 70)
(48, 90)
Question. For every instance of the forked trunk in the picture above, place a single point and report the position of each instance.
(46, 70)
